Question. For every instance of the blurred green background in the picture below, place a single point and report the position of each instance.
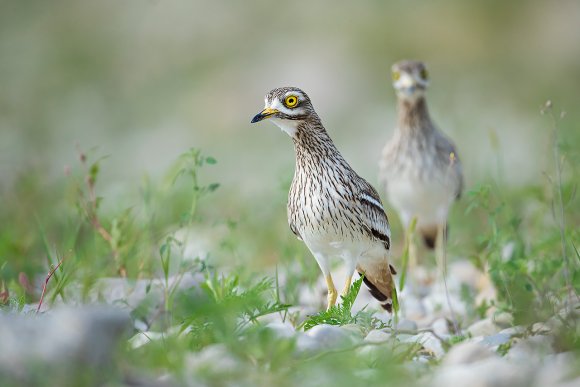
(145, 80)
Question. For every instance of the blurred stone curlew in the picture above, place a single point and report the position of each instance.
(419, 168)
(330, 207)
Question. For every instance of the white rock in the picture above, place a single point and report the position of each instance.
(494, 341)
(483, 327)
(144, 337)
(489, 372)
(503, 319)
(555, 369)
(440, 326)
(467, 352)
(464, 272)
(355, 330)
(412, 308)
(282, 329)
(330, 336)
(197, 243)
(507, 251)
(428, 341)
(313, 296)
(376, 336)
(531, 349)
(514, 331)
(541, 328)
(306, 343)
(407, 325)
(63, 345)
(418, 283)
(215, 358)
(438, 304)
(128, 293)
(554, 323)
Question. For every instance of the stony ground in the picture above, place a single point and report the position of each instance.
(69, 342)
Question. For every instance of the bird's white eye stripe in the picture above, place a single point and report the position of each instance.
(367, 198)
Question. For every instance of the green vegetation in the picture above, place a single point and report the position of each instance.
(520, 242)
(206, 232)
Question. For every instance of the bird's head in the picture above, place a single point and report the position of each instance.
(287, 107)
(410, 79)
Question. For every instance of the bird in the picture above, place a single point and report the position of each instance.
(419, 169)
(333, 210)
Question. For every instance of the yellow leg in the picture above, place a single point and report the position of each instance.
(441, 251)
(332, 293)
(346, 285)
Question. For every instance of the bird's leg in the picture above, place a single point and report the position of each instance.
(350, 265)
(332, 293)
(440, 251)
(346, 285)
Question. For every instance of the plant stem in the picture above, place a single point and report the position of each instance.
(561, 221)
(48, 277)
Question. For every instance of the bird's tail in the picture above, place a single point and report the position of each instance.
(379, 279)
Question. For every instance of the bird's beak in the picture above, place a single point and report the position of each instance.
(267, 112)
(406, 82)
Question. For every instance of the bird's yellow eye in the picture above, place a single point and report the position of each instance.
(396, 75)
(424, 74)
(291, 101)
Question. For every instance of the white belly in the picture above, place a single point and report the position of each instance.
(427, 199)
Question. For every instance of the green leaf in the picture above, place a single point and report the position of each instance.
(94, 171)
(210, 160)
(337, 314)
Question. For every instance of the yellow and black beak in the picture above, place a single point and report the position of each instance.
(267, 112)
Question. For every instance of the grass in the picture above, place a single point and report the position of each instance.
(521, 236)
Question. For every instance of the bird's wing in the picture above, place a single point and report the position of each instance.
(373, 215)
(294, 229)
(378, 276)
(447, 153)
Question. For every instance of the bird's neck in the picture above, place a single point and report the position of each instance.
(414, 115)
(314, 147)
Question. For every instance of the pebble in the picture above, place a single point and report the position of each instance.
(503, 319)
(541, 328)
(407, 325)
(438, 304)
(464, 272)
(413, 308)
(325, 336)
(514, 331)
(467, 352)
(215, 358)
(376, 336)
(440, 326)
(428, 341)
(197, 243)
(484, 327)
(306, 344)
(554, 369)
(283, 330)
(489, 372)
(531, 349)
(494, 341)
(64, 345)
